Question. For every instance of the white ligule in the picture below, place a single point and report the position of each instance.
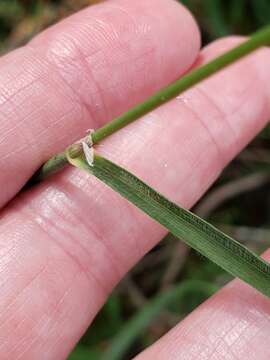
(88, 153)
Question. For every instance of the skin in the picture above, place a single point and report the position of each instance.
(62, 248)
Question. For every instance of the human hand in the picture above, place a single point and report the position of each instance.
(68, 241)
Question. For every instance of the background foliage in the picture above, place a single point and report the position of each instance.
(239, 202)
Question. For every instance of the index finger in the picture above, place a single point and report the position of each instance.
(83, 72)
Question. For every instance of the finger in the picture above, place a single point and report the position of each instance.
(81, 237)
(83, 72)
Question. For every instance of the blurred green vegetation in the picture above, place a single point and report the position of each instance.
(246, 215)
(21, 19)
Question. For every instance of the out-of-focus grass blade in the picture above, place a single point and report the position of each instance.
(261, 10)
(216, 13)
(197, 233)
(113, 311)
(237, 13)
(136, 325)
(83, 353)
(11, 9)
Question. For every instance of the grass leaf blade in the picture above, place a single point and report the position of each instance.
(197, 233)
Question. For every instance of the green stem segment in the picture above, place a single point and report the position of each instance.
(259, 39)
